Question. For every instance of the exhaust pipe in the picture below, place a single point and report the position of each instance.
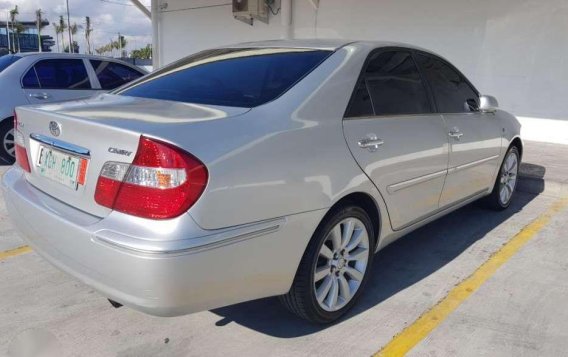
(114, 304)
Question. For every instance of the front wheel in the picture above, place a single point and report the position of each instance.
(7, 146)
(334, 268)
(506, 181)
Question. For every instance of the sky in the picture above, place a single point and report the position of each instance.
(108, 18)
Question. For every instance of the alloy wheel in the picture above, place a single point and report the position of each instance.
(508, 179)
(8, 143)
(341, 264)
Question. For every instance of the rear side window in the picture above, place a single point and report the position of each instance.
(30, 79)
(112, 75)
(392, 85)
(361, 105)
(229, 77)
(452, 92)
(7, 60)
(57, 74)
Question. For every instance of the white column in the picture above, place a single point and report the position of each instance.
(155, 11)
(286, 7)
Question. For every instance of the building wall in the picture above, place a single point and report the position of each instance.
(516, 50)
(28, 42)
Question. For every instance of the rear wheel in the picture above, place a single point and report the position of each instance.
(334, 268)
(7, 147)
(506, 181)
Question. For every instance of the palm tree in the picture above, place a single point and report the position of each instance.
(88, 30)
(56, 30)
(74, 28)
(13, 13)
(143, 53)
(40, 25)
(62, 28)
(19, 30)
(120, 45)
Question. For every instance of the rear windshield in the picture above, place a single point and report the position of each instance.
(7, 60)
(229, 77)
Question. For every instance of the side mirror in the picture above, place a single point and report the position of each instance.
(488, 104)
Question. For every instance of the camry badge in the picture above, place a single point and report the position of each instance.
(54, 128)
(119, 151)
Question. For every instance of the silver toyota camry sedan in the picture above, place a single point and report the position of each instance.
(262, 169)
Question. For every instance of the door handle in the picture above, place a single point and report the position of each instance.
(40, 95)
(455, 133)
(371, 142)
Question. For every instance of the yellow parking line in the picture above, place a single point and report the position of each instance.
(425, 324)
(14, 252)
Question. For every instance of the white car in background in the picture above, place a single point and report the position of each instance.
(36, 78)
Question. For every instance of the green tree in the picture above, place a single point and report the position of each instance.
(74, 28)
(19, 28)
(62, 28)
(57, 32)
(13, 15)
(143, 53)
(75, 48)
(120, 45)
(40, 25)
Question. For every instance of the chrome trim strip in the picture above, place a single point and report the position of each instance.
(471, 164)
(61, 145)
(381, 116)
(415, 181)
(187, 246)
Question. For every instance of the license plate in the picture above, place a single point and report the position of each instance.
(66, 169)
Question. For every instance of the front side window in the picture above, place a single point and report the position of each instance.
(393, 84)
(242, 77)
(57, 74)
(112, 75)
(452, 92)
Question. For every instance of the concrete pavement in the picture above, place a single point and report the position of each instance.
(521, 310)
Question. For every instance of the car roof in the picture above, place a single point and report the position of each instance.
(47, 55)
(325, 44)
(65, 55)
(321, 44)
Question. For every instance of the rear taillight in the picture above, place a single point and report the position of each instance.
(162, 182)
(20, 147)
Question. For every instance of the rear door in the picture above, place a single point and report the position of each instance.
(57, 79)
(396, 137)
(474, 137)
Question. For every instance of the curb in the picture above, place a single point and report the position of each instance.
(538, 185)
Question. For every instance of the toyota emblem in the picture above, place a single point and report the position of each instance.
(54, 128)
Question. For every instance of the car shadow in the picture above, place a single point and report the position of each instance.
(398, 266)
(4, 162)
(532, 178)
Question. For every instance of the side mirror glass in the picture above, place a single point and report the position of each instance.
(488, 104)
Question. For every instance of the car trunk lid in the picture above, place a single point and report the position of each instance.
(78, 137)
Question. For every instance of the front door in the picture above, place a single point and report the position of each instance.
(474, 137)
(475, 148)
(396, 138)
(55, 80)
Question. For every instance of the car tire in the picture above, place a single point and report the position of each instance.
(7, 145)
(506, 181)
(333, 272)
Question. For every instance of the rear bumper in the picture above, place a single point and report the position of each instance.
(187, 270)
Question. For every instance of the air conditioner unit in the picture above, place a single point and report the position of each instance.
(249, 10)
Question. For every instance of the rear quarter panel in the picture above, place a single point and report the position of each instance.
(12, 94)
(285, 157)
